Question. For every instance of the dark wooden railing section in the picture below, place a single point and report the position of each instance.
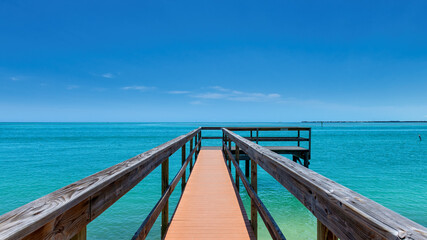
(341, 212)
(64, 214)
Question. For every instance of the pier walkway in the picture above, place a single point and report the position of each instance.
(210, 206)
(201, 214)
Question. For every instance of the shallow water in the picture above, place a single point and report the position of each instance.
(383, 161)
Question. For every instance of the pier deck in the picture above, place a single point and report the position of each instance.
(201, 214)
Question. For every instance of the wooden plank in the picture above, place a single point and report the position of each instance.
(271, 225)
(97, 191)
(81, 235)
(254, 185)
(323, 232)
(165, 185)
(209, 207)
(278, 139)
(191, 159)
(260, 128)
(237, 175)
(149, 221)
(346, 213)
(247, 170)
(182, 164)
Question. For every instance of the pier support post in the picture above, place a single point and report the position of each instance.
(191, 158)
(81, 235)
(254, 215)
(165, 185)
(183, 157)
(237, 175)
(229, 160)
(247, 168)
(323, 233)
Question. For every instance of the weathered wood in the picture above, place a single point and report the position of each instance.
(346, 213)
(278, 139)
(183, 180)
(210, 207)
(254, 185)
(191, 159)
(165, 185)
(323, 232)
(91, 195)
(259, 128)
(247, 170)
(81, 235)
(229, 160)
(271, 225)
(237, 175)
(155, 212)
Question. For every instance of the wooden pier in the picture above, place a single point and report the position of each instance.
(210, 205)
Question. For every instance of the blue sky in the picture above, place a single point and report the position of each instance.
(213, 60)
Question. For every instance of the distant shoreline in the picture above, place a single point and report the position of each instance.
(363, 121)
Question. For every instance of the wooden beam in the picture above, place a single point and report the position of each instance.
(149, 221)
(61, 214)
(191, 159)
(165, 185)
(323, 232)
(247, 170)
(81, 235)
(346, 213)
(237, 175)
(271, 225)
(183, 157)
(254, 185)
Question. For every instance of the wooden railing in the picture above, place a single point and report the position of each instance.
(64, 214)
(341, 212)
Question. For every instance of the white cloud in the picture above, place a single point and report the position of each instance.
(196, 102)
(178, 92)
(107, 75)
(138, 88)
(14, 78)
(72, 87)
(234, 95)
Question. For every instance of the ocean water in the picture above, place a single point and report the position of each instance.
(383, 161)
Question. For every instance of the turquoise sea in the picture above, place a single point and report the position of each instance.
(383, 161)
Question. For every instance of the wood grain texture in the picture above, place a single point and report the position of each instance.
(254, 185)
(209, 208)
(271, 225)
(323, 232)
(67, 210)
(346, 213)
(149, 221)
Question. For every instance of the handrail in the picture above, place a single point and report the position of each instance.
(346, 213)
(271, 225)
(155, 212)
(63, 213)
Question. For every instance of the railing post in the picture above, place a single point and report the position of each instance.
(81, 235)
(183, 155)
(309, 143)
(200, 138)
(323, 233)
(191, 158)
(237, 175)
(257, 135)
(165, 184)
(247, 168)
(254, 215)
(299, 134)
(229, 160)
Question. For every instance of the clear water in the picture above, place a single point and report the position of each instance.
(385, 162)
